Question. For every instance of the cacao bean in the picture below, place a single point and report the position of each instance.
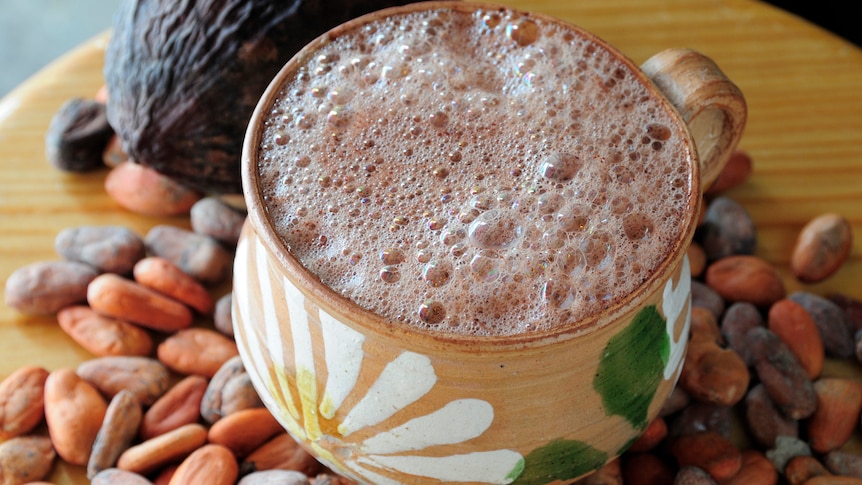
(24, 459)
(109, 249)
(835, 329)
(118, 429)
(782, 375)
(822, 247)
(145, 378)
(143, 190)
(45, 287)
(74, 411)
(727, 230)
(202, 257)
(196, 350)
(22, 401)
(212, 217)
(745, 278)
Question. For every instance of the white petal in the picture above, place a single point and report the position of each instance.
(482, 466)
(240, 293)
(271, 321)
(456, 422)
(371, 477)
(303, 350)
(673, 302)
(403, 381)
(270, 316)
(254, 362)
(343, 347)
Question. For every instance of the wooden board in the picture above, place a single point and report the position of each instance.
(804, 134)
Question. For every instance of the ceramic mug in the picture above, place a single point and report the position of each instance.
(383, 403)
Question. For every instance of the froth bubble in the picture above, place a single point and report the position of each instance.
(370, 75)
(327, 58)
(304, 121)
(503, 195)
(338, 117)
(436, 224)
(359, 62)
(554, 239)
(438, 119)
(560, 167)
(549, 203)
(391, 256)
(394, 72)
(451, 236)
(558, 294)
(621, 205)
(437, 273)
(423, 255)
(637, 226)
(525, 66)
(432, 312)
(468, 215)
(482, 202)
(459, 249)
(658, 132)
(441, 172)
(495, 229)
(570, 260)
(390, 274)
(491, 20)
(340, 95)
(535, 264)
(485, 266)
(598, 249)
(622, 174)
(524, 31)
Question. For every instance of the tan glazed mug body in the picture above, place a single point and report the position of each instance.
(384, 403)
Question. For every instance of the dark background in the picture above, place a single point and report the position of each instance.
(840, 17)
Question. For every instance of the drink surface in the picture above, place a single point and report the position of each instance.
(485, 173)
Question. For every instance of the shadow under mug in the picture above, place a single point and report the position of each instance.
(383, 403)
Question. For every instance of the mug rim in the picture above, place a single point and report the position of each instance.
(350, 312)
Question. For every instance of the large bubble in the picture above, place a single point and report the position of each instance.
(495, 229)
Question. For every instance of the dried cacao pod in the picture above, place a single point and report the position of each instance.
(183, 76)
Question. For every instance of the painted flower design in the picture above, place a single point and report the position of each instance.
(636, 360)
(674, 302)
(313, 415)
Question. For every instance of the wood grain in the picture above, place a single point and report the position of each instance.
(804, 129)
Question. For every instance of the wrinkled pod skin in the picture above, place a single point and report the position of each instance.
(183, 76)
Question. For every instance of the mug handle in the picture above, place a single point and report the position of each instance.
(711, 105)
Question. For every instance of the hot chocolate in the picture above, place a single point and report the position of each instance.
(484, 173)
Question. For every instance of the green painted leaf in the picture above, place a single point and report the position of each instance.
(516, 472)
(632, 365)
(560, 460)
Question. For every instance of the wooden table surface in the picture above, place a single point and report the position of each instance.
(804, 133)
